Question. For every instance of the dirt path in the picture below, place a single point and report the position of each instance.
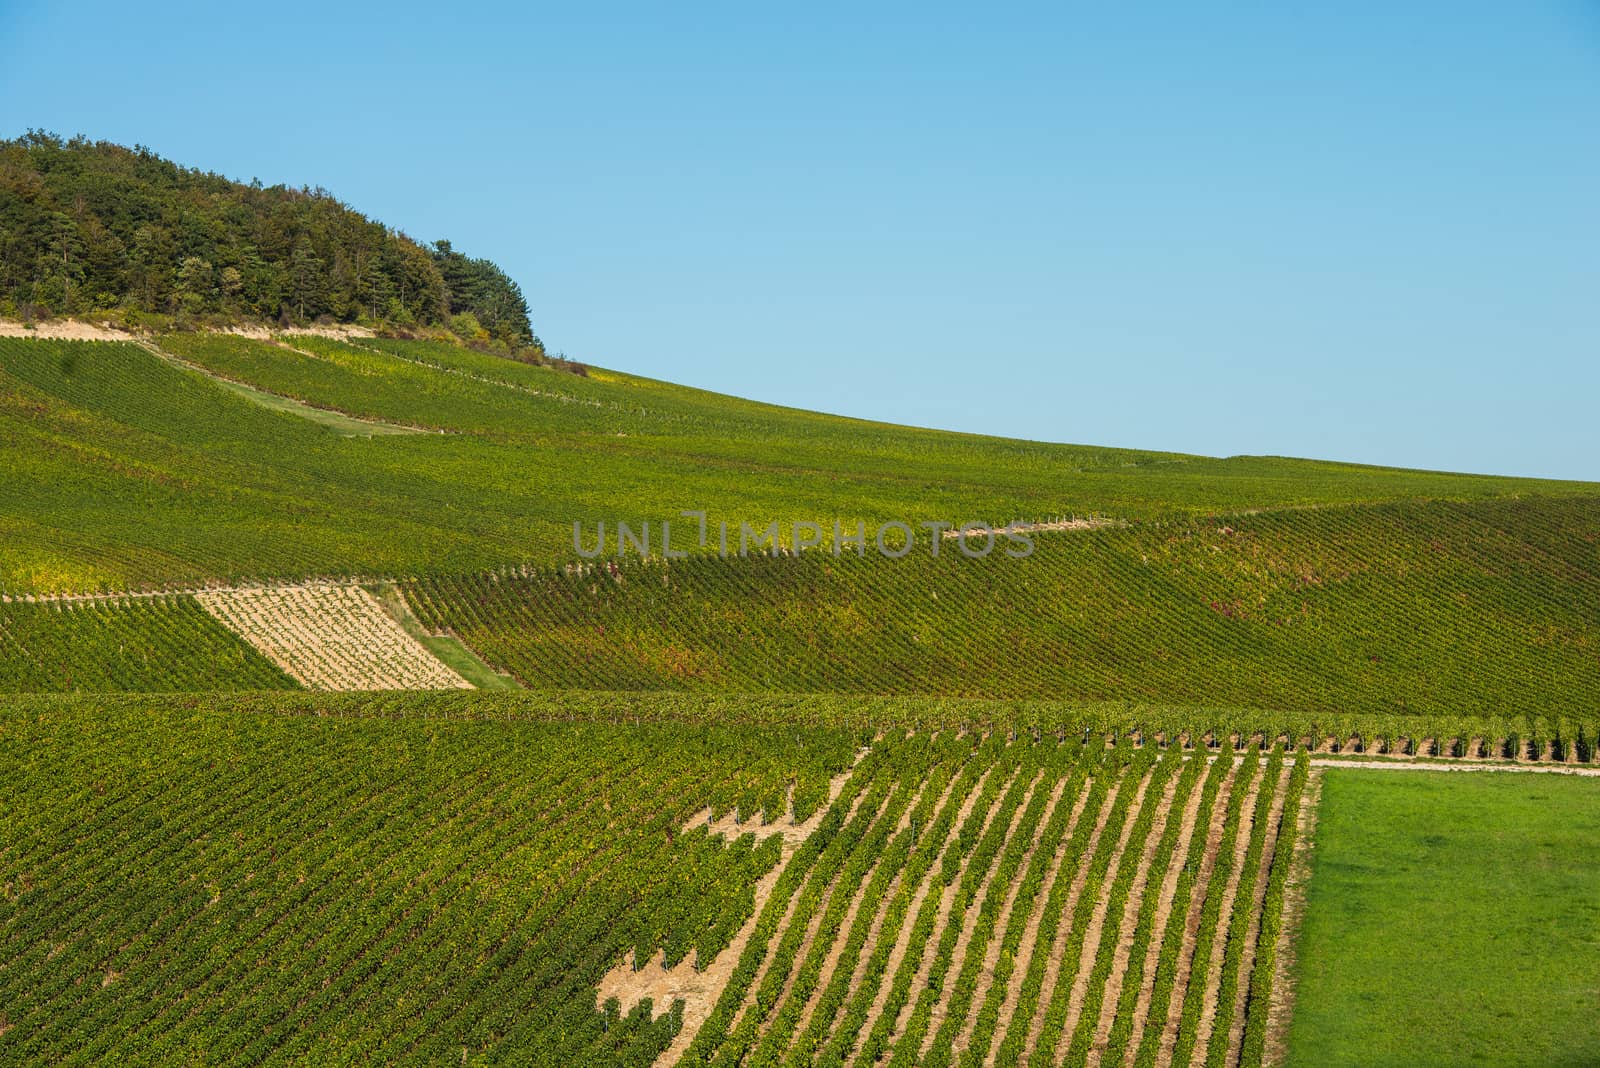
(1003, 921)
(1095, 933)
(1048, 526)
(1545, 767)
(1281, 1006)
(1247, 959)
(1163, 913)
(1130, 916)
(1213, 976)
(1030, 936)
(1058, 948)
(1191, 929)
(969, 918)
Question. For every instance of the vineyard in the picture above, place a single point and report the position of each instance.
(1021, 903)
(184, 875)
(130, 472)
(144, 644)
(1396, 608)
(481, 871)
(1168, 791)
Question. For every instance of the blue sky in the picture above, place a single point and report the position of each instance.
(1364, 231)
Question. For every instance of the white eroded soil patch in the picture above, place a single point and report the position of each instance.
(330, 637)
(700, 988)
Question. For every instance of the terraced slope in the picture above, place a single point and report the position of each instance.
(130, 472)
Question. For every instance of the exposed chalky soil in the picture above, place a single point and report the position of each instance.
(330, 637)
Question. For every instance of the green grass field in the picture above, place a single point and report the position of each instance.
(1451, 919)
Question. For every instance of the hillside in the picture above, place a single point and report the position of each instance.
(137, 468)
(96, 229)
(202, 460)
(380, 688)
(717, 837)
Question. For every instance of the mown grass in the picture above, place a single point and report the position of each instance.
(1451, 919)
(341, 424)
(449, 649)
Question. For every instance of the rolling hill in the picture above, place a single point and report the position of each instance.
(805, 805)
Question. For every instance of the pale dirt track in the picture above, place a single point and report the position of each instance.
(78, 330)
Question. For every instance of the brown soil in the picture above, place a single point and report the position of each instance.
(875, 931)
(1102, 906)
(947, 902)
(1197, 896)
(1030, 936)
(902, 944)
(830, 962)
(1247, 959)
(991, 956)
(1213, 976)
(1130, 917)
(964, 938)
(807, 941)
(1163, 913)
(1058, 948)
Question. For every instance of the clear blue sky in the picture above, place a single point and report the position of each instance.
(1363, 231)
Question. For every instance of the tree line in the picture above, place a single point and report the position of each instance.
(94, 228)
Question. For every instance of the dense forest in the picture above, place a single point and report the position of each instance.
(92, 228)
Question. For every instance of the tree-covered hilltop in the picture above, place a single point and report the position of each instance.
(90, 228)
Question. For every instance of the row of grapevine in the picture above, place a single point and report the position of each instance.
(1386, 610)
(969, 899)
(149, 644)
(180, 875)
